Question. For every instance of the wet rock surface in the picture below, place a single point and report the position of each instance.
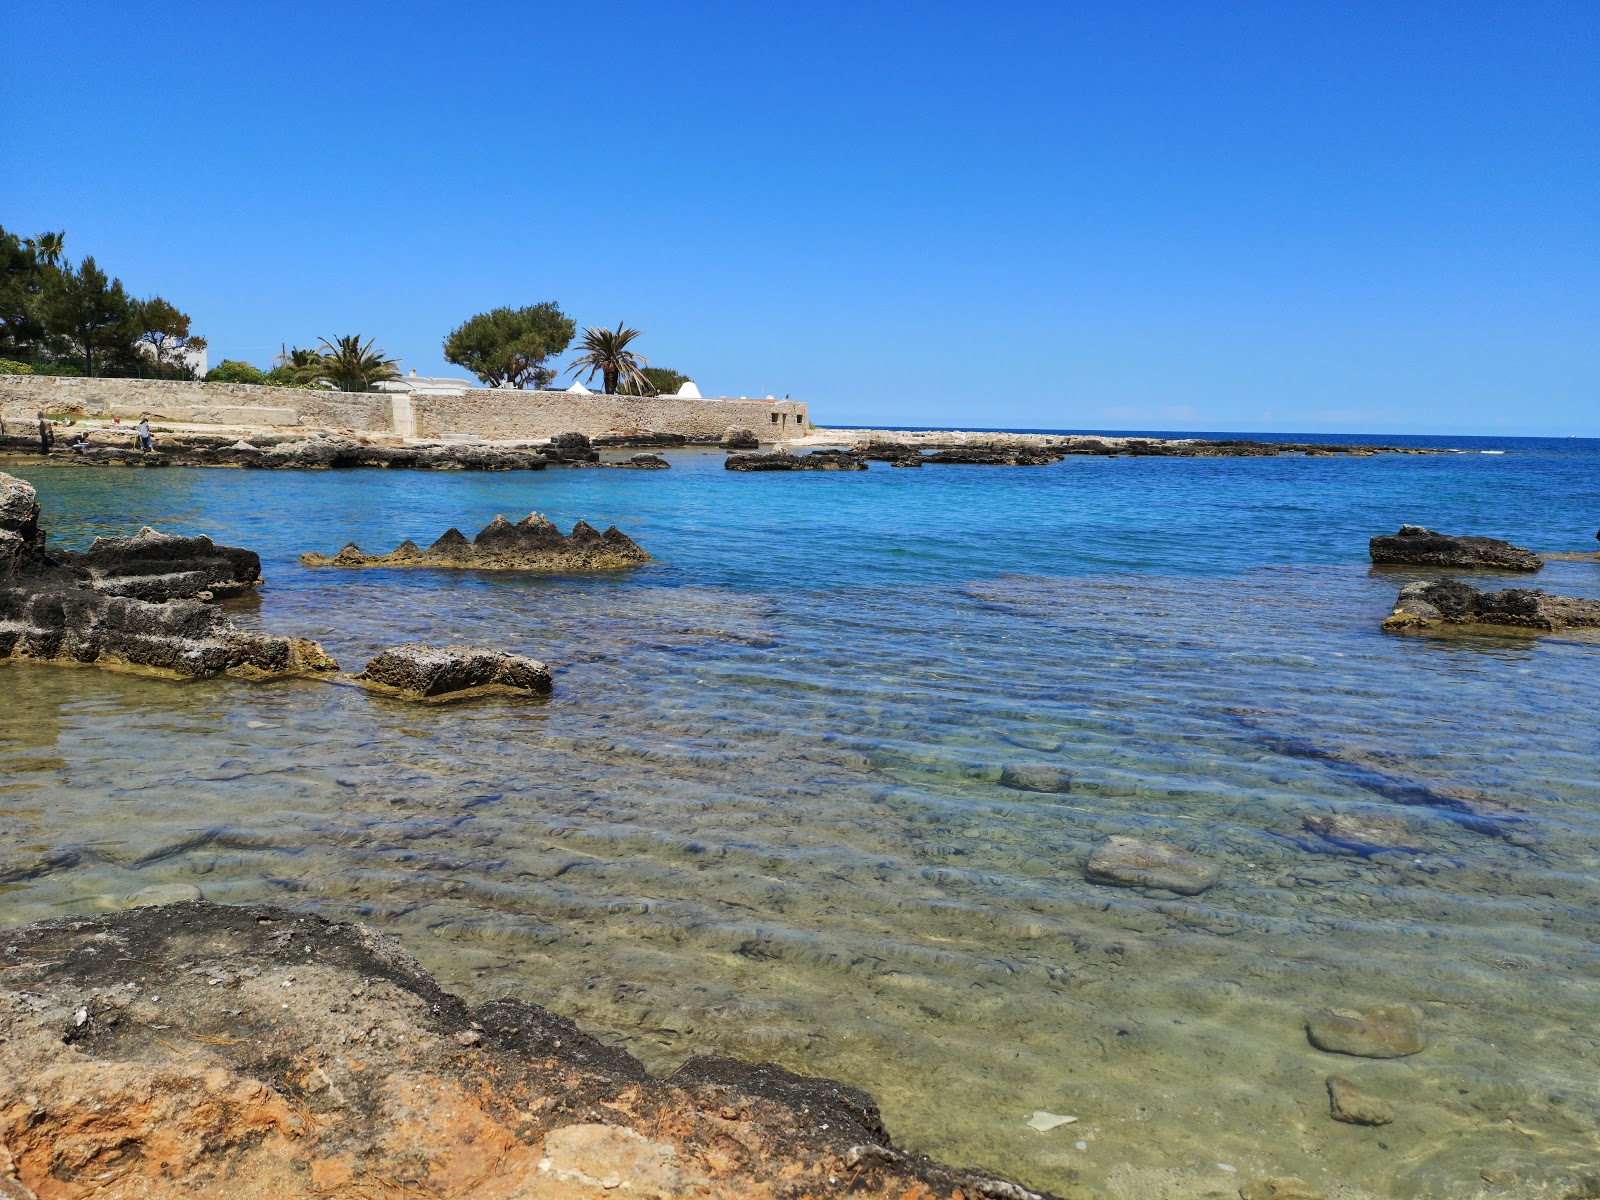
(1133, 862)
(885, 444)
(1359, 833)
(737, 437)
(782, 460)
(1416, 546)
(1280, 1188)
(531, 544)
(1035, 777)
(437, 673)
(1376, 1031)
(996, 457)
(68, 608)
(1349, 1104)
(1436, 604)
(200, 1049)
(300, 452)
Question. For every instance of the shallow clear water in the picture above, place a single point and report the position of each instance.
(762, 813)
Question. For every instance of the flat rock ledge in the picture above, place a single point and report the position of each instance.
(1419, 547)
(1132, 862)
(1446, 604)
(532, 544)
(441, 673)
(132, 603)
(201, 1049)
(1374, 1031)
(782, 460)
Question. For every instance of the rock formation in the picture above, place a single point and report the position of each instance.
(782, 460)
(418, 672)
(739, 438)
(532, 544)
(1434, 604)
(1378, 1031)
(304, 453)
(200, 1049)
(996, 457)
(128, 603)
(571, 448)
(1416, 546)
(1130, 862)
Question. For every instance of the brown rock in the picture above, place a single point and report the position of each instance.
(609, 1156)
(1035, 777)
(1380, 1031)
(418, 672)
(1348, 1103)
(1282, 1188)
(532, 544)
(1362, 833)
(1129, 862)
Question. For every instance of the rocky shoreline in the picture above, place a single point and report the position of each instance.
(891, 443)
(197, 1048)
(532, 544)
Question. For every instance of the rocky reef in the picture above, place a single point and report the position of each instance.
(1449, 603)
(430, 673)
(532, 544)
(203, 1049)
(132, 603)
(997, 457)
(279, 452)
(894, 446)
(1416, 546)
(782, 460)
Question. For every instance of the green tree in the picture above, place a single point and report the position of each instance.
(23, 326)
(352, 366)
(507, 347)
(231, 370)
(92, 313)
(660, 381)
(50, 247)
(164, 329)
(605, 351)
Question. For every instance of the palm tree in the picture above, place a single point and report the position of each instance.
(607, 353)
(50, 247)
(351, 366)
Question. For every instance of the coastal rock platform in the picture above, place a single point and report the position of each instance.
(196, 1049)
(430, 673)
(1432, 605)
(1416, 546)
(782, 460)
(531, 544)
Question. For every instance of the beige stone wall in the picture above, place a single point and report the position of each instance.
(496, 413)
(479, 412)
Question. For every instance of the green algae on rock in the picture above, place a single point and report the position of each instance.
(532, 544)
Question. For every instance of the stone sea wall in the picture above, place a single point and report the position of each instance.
(477, 412)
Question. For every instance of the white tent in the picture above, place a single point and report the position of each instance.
(580, 389)
(688, 391)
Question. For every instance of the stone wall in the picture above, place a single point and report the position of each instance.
(478, 412)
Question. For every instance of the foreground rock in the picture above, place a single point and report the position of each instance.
(1443, 603)
(1416, 546)
(532, 544)
(997, 457)
(1348, 1103)
(418, 672)
(68, 608)
(1130, 862)
(739, 438)
(782, 460)
(200, 1049)
(1378, 1031)
(301, 452)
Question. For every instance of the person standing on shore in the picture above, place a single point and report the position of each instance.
(142, 433)
(47, 434)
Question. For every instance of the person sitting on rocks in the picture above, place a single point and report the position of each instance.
(79, 442)
(47, 434)
(141, 433)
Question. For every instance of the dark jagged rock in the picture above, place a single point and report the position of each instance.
(782, 460)
(571, 448)
(642, 438)
(53, 608)
(532, 544)
(996, 457)
(304, 453)
(418, 672)
(736, 437)
(638, 462)
(196, 1049)
(1416, 546)
(896, 454)
(1434, 604)
(159, 566)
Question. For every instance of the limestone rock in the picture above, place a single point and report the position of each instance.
(532, 544)
(418, 672)
(1436, 604)
(159, 566)
(1348, 1103)
(782, 460)
(571, 448)
(1377, 1031)
(1281, 1188)
(1035, 777)
(737, 437)
(1130, 862)
(1416, 546)
(611, 1156)
(996, 456)
(1360, 833)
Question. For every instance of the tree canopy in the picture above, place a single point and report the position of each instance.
(353, 366)
(507, 347)
(605, 351)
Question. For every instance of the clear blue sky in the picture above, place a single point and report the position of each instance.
(1251, 216)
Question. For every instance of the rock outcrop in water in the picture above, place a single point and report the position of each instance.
(1416, 546)
(302, 452)
(1132, 862)
(201, 1049)
(128, 602)
(532, 544)
(1442, 603)
(782, 460)
(418, 672)
(737, 437)
(996, 456)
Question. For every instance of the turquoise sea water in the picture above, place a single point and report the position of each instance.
(763, 813)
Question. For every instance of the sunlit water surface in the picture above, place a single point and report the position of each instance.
(762, 813)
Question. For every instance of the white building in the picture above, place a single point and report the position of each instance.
(412, 384)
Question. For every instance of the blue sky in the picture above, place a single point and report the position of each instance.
(1248, 216)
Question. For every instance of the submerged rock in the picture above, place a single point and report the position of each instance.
(737, 437)
(1035, 777)
(1361, 833)
(56, 608)
(201, 1049)
(1416, 546)
(532, 544)
(1378, 1031)
(782, 460)
(1130, 862)
(418, 672)
(1428, 605)
(1348, 1103)
(1281, 1188)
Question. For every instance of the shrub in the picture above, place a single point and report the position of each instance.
(231, 370)
(9, 366)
